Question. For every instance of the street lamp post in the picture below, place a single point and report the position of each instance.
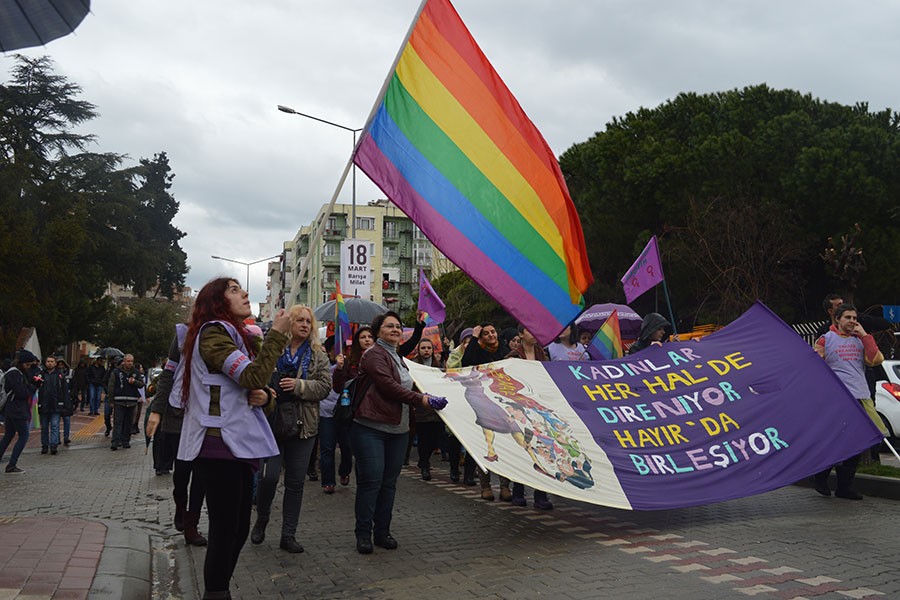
(246, 264)
(291, 111)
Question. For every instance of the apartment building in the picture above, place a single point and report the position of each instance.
(397, 250)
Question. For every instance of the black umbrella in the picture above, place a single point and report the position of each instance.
(359, 310)
(111, 353)
(29, 23)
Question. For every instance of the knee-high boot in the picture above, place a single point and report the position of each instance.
(179, 515)
(192, 537)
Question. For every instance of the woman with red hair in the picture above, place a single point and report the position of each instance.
(225, 431)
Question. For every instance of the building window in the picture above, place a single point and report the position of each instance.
(331, 250)
(367, 223)
(422, 255)
(390, 229)
(417, 234)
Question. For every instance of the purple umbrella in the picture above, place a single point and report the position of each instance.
(594, 317)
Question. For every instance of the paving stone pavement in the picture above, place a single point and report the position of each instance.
(788, 544)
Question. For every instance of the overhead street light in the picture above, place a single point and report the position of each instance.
(246, 264)
(291, 111)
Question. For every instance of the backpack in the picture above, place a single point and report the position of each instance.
(5, 394)
(354, 391)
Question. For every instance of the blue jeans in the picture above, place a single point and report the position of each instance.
(94, 392)
(332, 435)
(294, 457)
(67, 427)
(13, 427)
(50, 430)
(107, 413)
(379, 459)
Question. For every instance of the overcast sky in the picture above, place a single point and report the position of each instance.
(200, 80)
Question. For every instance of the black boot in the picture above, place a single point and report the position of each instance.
(258, 535)
(290, 544)
(179, 515)
(192, 537)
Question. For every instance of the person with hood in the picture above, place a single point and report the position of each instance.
(21, 380)
(52, 399)
(654, 331)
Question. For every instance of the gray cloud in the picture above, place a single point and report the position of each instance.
(200, 80)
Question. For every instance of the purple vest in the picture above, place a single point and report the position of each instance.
(177, 367)
(244, 428)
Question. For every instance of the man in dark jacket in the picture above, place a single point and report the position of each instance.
(80, 381)
(654, 331)
(52, 400)
(21, 380)
(124, 387)
(96, 377)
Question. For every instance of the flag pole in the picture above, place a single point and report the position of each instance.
(390, 75)
(317, 235)
(892, 448)
(669, 303)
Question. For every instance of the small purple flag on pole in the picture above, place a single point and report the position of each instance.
(645, 273)
(429, 302)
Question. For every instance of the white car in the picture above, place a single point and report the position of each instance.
(887, 397)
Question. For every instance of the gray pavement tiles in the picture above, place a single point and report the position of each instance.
(790, 543)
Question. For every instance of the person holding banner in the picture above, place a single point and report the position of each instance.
(485, 348)
(655, 330)
(379, 432)
(848, 349)
(529, 349)
(566, 346)
(429, 427)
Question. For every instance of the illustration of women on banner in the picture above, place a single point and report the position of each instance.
(503, 404)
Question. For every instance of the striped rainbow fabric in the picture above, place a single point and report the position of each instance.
(450, 145)
(342, 331)
(607, 343)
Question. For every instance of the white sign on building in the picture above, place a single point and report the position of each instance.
(356, 277)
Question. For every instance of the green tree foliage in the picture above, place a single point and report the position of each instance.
(467, 304)
(73, 221)
(744, 188)
(144, 328)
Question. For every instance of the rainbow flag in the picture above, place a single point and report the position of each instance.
(449, 144)
(607, 342)
(342, 331)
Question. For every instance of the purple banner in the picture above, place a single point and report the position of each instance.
(748, 409)
(645, 273)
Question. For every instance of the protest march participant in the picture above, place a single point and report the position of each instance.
(655, 330)
(379, 432)
(225, 431)
(848, 349)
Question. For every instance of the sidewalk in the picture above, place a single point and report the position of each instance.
(67, 557)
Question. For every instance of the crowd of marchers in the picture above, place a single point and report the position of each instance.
(234, 409)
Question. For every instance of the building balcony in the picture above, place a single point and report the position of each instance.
(331, 259)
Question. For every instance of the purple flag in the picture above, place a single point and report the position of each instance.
(645, 273)
(429, 302)
(743, 411)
